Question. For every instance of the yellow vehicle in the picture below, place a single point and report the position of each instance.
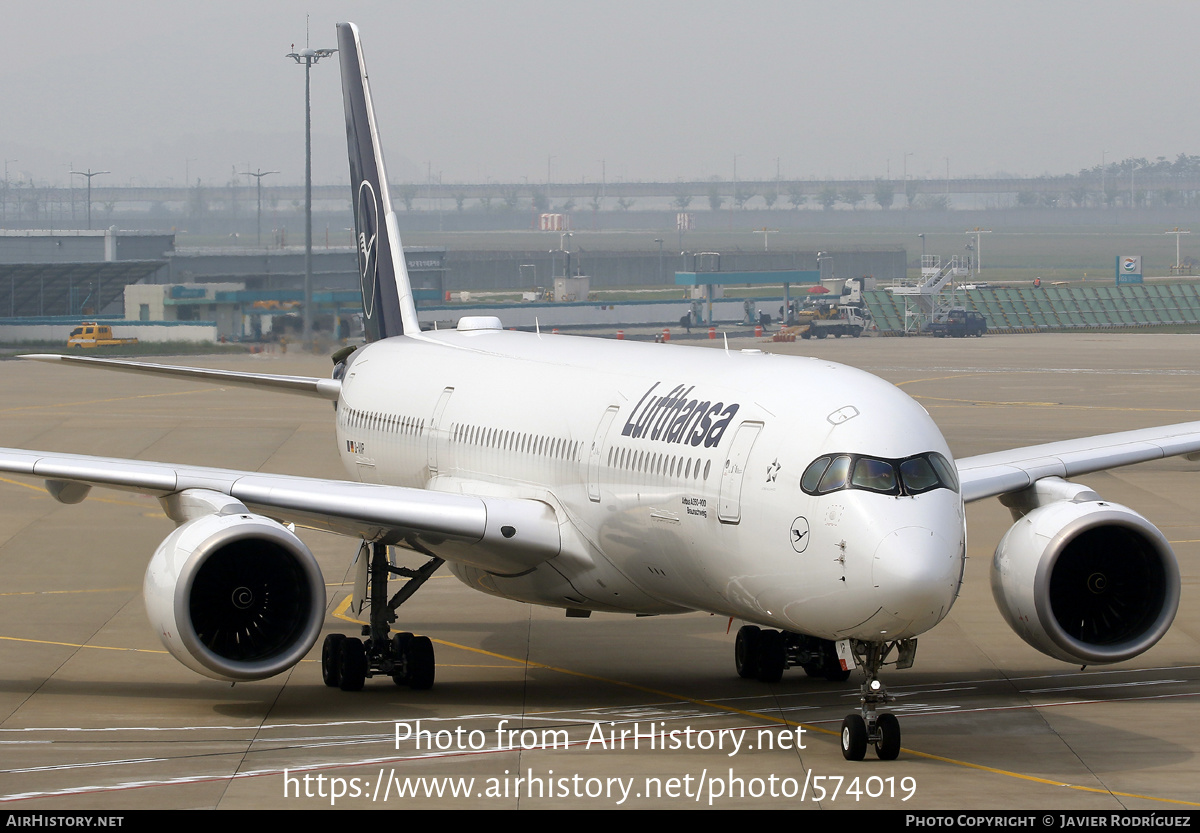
(91, 334)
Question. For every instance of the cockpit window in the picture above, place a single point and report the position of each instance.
(909, 476)
(947, 472)
(874, 475)
(812, 474)
(836, 475)
(918, 475)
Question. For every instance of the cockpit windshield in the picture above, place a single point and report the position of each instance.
(909, 476)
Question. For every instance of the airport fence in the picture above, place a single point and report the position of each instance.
(1034, 309)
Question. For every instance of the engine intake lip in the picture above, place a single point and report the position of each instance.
(261, 580)
(1128, 601)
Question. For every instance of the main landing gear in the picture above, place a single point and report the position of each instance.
(347, 662)
(765, 654)
(869, 727)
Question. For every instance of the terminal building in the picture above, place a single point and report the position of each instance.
(146, 286)
(143, 284)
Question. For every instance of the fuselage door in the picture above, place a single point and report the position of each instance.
(435, 429)
(596, 452)
(730, 507)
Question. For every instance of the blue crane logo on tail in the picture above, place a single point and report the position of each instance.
(367, 218)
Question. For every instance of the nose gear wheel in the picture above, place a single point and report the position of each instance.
(869, 727)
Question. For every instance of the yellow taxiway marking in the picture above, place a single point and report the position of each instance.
(980, 403)
(977, 403)
(67, 592)
(340, 612)
(936, 378)
(810, 728)
(77, 645)
(109, 500)
(29, 486)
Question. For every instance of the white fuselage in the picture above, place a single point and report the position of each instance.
(674, 474)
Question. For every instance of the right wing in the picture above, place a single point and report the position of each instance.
(499, 535)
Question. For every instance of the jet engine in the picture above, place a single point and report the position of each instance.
(235, 597)
(1084, 580)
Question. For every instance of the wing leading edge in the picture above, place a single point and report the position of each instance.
(500, 535)
(1002, 472)
(306, 385)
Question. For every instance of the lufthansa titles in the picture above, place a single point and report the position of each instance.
(676, 418)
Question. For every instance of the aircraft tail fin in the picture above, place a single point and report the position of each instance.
(388, 307)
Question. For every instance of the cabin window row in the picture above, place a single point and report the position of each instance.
(518, 441)
(390, 423)
(665, 465)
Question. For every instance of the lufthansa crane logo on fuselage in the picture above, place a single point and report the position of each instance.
(799, 534)
(368, 231)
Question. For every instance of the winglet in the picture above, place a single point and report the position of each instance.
(388, 308)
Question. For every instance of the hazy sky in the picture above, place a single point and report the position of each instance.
(472, 91)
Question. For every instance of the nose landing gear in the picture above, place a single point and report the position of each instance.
(869, 727)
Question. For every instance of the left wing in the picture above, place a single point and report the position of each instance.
(1002, 472)
(307, 385)
(501, 535)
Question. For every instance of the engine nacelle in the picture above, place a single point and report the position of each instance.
(1086, 582)
(235, 597)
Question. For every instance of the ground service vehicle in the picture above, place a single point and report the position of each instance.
(91, 334)
(824, 319)
(958, 323)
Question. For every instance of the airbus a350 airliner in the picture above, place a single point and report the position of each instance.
(816, 503)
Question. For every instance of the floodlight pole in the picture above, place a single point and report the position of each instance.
(89, 173)
(978, 247)
(258, 176)
(1176, 231)
(308, 57)
(4, 204)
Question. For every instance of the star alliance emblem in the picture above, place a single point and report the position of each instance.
(773, 470)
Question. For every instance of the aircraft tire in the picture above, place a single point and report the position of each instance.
(399, 657)
(421, 664)
(832, 670)
(772, 656)
(745, 651)
(331, 657)
(854, 738)
(353, 666)
(887, 745)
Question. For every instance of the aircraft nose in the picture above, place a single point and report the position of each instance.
(916, 572)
